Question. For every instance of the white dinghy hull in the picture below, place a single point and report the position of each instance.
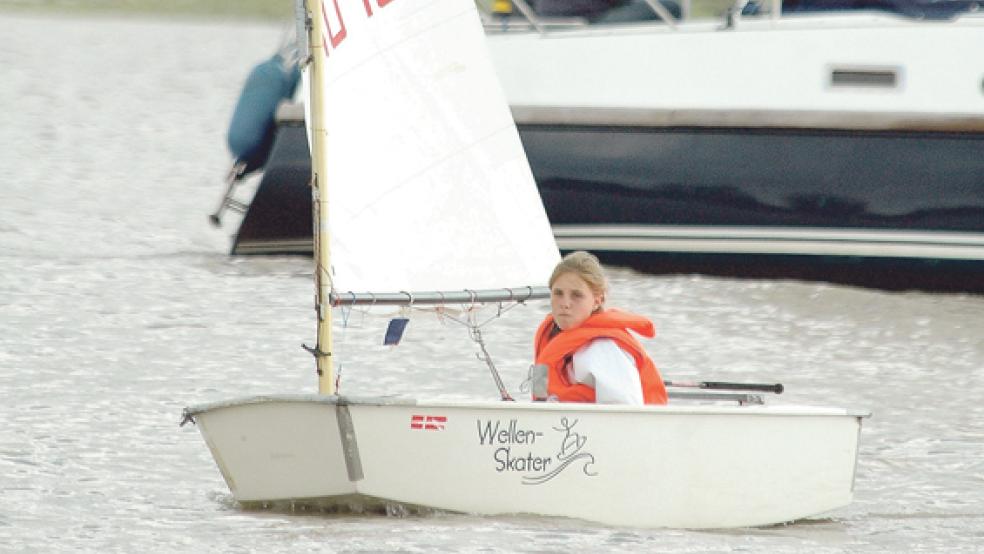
(698, 466)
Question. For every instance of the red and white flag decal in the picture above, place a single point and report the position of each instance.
(428, 422)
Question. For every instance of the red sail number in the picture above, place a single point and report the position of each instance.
(368, 5)
(335, 38)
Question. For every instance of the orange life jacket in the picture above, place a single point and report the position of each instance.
(611, 324)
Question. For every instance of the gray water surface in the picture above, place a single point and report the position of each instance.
(119, 307)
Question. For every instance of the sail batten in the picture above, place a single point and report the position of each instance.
(432, 298)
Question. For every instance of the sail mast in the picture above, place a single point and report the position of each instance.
(322, 277)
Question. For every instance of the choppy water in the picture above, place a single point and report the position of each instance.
(119, 306)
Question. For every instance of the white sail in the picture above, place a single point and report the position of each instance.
(429, 187)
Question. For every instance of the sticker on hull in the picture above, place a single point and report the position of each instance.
(536, 455)
(428, 422)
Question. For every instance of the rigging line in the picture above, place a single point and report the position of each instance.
(456, 320)
(441, 308)
(347, 312)
(529, 294)
(471, 311)
(499, 313)
(475, 333)
(368, 309)
(339, 347)
(487, 358)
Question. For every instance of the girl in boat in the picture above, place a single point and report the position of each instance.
(588, 350)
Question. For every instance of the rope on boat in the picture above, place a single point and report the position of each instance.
(436, 302)
(475, 332)
(476, 336)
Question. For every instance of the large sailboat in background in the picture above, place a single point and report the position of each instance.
(419, 175)
(781, 140)
(832, 140)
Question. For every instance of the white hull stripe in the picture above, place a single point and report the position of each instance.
(772, 240)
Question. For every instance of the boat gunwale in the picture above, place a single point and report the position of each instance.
(702, 409)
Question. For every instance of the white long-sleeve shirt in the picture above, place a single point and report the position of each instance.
(611, 371)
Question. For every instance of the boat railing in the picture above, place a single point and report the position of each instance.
(518, 15)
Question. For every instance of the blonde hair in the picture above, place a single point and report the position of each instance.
(586, 266)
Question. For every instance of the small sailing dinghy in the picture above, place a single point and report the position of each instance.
(432, 203)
